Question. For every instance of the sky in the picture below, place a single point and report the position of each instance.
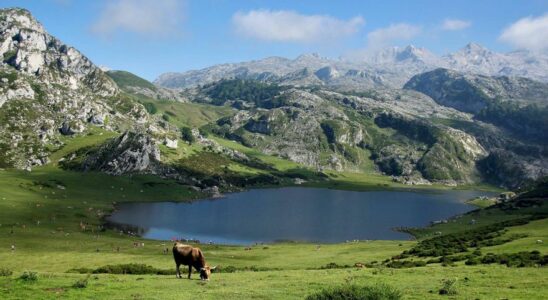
(150, 37)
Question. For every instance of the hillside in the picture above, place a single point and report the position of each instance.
(134, 84)
(49, 89)
(438, 134)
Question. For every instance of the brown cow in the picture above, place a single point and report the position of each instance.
(191, 257)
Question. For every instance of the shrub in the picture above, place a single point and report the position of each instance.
(29, 276)
(519, 259)
(333, 265)
(449, 287)
(186, 134)
(5, 272)
(375, 292)
(150, 108)
(251, 91)
(134, 269)
(81, 283)
(399, 264)
(459, 242)
(228, 269)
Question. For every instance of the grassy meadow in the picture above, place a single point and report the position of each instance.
(54, 219)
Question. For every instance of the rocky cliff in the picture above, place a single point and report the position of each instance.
(48, 89)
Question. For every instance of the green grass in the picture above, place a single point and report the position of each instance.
(92, 137)
(190, 114)
(482, 202)
(124, 79)
(44, 209)
(293, 269)
(278, 163)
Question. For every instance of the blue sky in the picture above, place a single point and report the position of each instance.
(149, 37)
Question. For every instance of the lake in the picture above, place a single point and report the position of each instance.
(296, 214)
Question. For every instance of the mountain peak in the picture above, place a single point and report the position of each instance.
(21, 18)
(474, 47)
(310, 56)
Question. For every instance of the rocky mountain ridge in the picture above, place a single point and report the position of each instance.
(390, 67)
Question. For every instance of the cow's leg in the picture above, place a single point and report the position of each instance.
(189, 271)
(178, 271)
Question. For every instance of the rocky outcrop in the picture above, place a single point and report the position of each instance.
(129, 153)
(27, 47)
(48, 89)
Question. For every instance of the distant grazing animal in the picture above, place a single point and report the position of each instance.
(191, 257)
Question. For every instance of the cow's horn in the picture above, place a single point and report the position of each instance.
(201, 269)
(213, 268)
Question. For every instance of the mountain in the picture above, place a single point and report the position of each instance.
(235, 124)
(134, 84)
(471, 93)
(474, 58)
(390, 67)
(49, 89)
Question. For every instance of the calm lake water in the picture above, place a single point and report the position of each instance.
(297, 214)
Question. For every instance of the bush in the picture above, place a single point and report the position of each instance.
(228, 269)
(134, 269)
(333, 265)
(150, 108)
(449, 287)
(5, 272)
(251, 91)
(81, 283)
(519, 259)
(186, 134)
(459, 242)
(29, 276)
(375, 292)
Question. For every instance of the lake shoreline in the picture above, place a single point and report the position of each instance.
(307, 195)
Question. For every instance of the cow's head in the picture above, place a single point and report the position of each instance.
(205, 272)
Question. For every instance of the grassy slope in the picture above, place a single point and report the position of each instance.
(190, 114)
(124, 79)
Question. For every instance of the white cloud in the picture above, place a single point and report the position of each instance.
(290, 26)
(396, 32)
(528, 33)
(146, 17)
(455, 24)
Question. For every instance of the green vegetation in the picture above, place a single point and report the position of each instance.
(29, 276)
(374, 292)
(5, 272)
(81, 283)
(124, 79)
(42, 213)
(9, 56)
(449, 287)
(57, 247)
(482, 202)
(187, 135)
(256, 92)
(150, 107)
(529, 121)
